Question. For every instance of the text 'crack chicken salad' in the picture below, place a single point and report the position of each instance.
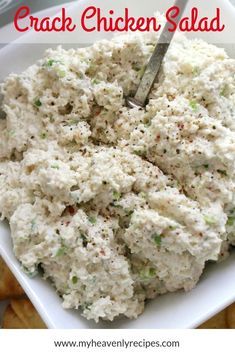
(119, 205)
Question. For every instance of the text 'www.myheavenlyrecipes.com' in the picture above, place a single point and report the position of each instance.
(113, 344)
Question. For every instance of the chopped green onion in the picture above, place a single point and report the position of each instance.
(61, 73)
(86, 306)
(140, 153)
(31, 274)
(116, 195)
(195, 71)
(43, 135)
(139, 68)
(143, 194)
(92, 220)
(152, 272)
(61, 251)
(142, 71)
(51, 62)
(147, 273)
(96, 81)
(128, 212)
(72, 122)
(116, 205)
(223, 91)
(209, 220)
(74, 280)
(37, 102)
(173, 227)
(206, 166)
(230, 221)
(193, 105)
(55, 166)
(157, 239)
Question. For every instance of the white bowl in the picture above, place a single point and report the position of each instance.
(215, 290)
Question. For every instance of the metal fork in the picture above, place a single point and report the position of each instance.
(153, 68)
